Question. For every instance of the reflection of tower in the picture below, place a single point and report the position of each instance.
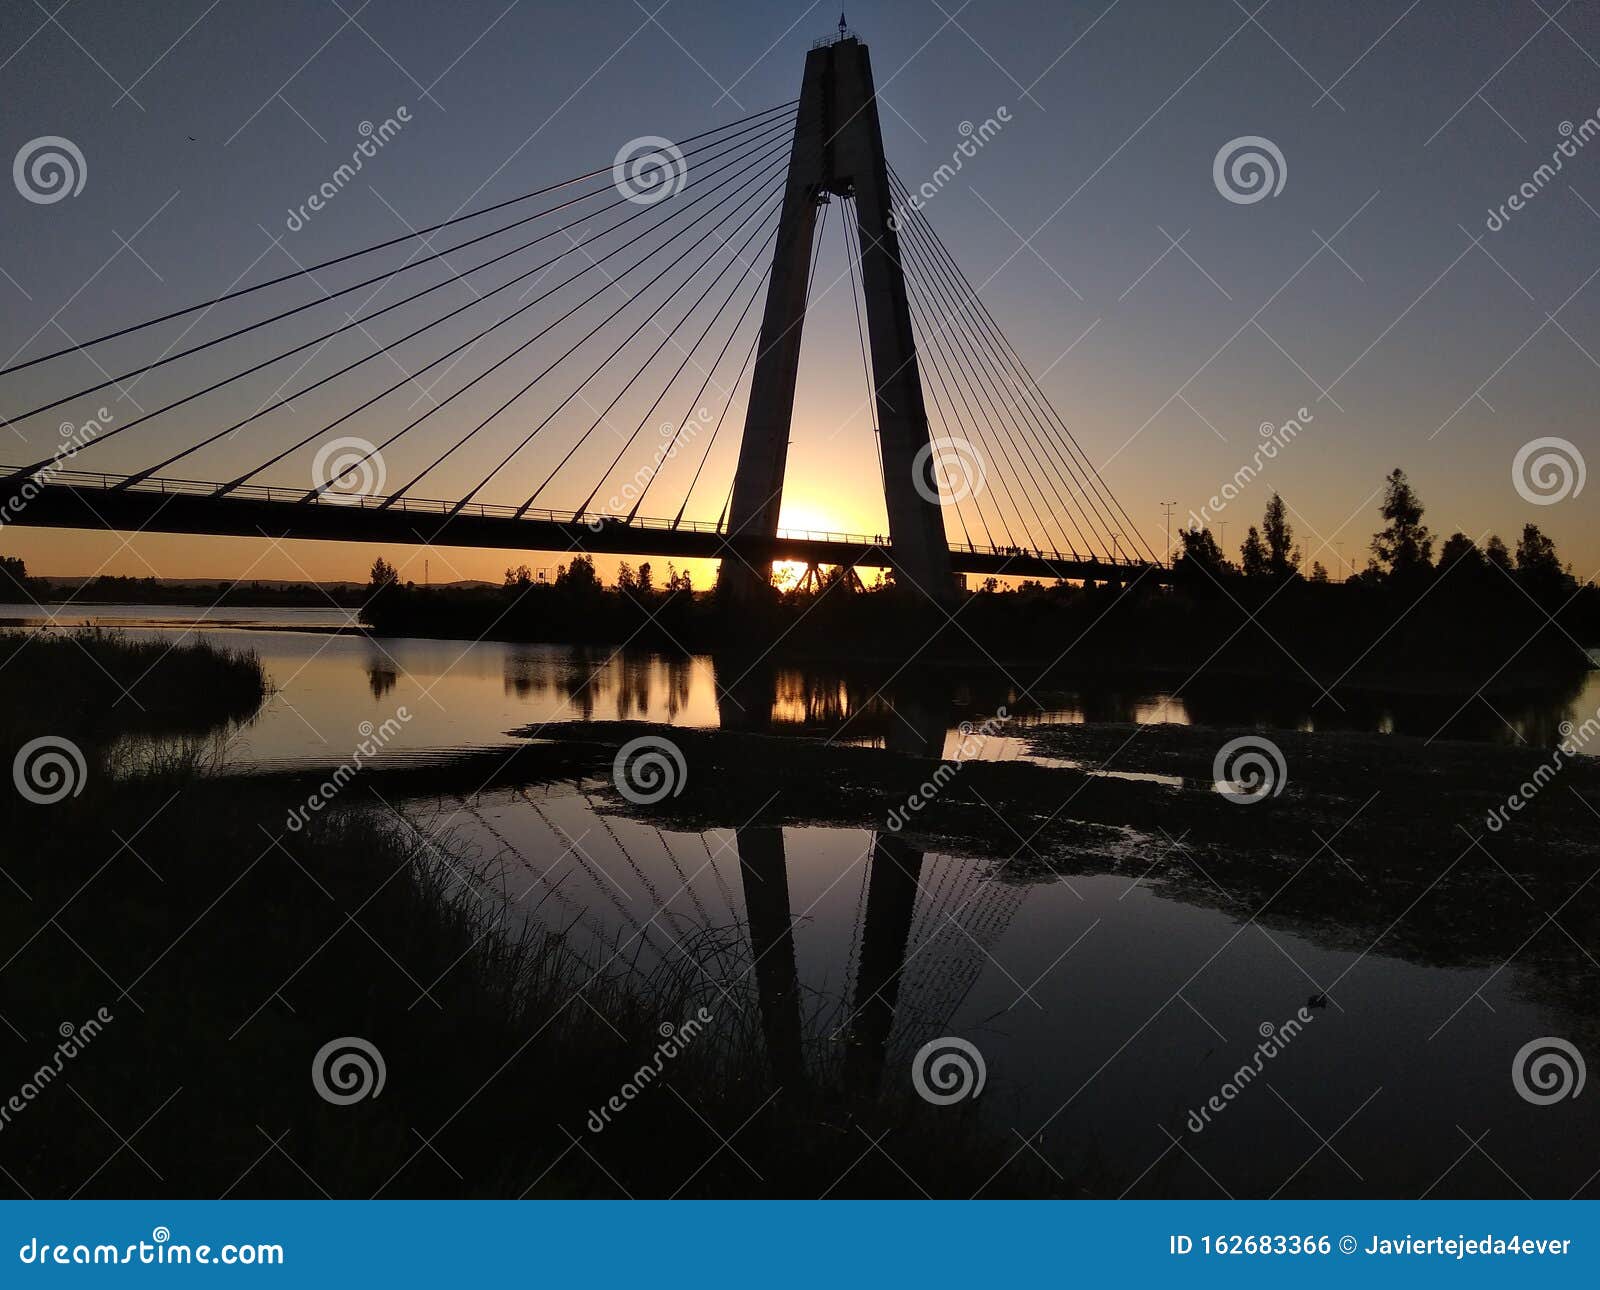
(923, 936)
(765, 872)
(756, 696)
(746, 699)
(918, 726)
(924, 933)
(885, 931)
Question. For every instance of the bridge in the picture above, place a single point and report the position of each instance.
(644, 290)
(77, 499)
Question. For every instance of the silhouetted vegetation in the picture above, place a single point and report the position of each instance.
(574, 606)
(1404, 613)
(1474, 617)
(14, 581)
(91, 685)
(120, 590)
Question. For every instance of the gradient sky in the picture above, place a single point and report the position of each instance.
(1401, 126)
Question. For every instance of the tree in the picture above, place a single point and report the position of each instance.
(13, 575)
(1253, 554)
(647, 584)
(627, 580)
(1282, 557)
(1404, 544)
(1494, 551)
(579, 576)
(1318, 572)
(678, 581)
(1202, 562)
(519, 578)
(1202, 548)
(1459, 550)
(383, 575)
(1537, 562)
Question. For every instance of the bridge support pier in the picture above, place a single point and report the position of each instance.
(838, 149)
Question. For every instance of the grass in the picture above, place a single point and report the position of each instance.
(91, 685)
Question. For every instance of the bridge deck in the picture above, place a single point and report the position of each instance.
(80, 500)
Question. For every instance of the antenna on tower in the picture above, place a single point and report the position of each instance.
(843, 26)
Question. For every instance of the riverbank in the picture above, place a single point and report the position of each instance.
(1350, 833)
(1351, 635)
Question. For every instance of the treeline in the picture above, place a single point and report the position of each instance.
(107, 589)
(14, 581)
(574, 606)
(1418, 605)
(1449, 615)
(17, 586)
(1402, 552)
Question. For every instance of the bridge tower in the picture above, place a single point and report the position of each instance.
(838, 149)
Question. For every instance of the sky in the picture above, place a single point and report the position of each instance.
(1386, 287)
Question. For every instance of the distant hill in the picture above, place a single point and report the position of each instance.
(63, 582)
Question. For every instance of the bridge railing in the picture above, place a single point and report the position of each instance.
(1054, 556)
(497, 510)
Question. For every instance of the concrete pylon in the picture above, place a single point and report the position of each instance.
(838, 149)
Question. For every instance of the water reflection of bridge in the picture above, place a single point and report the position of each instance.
(923, 926)
(924, 929)
(903, 709)
(921, 933)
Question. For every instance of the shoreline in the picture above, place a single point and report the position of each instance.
(1037, 670)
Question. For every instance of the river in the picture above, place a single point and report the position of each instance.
(1108, 1007)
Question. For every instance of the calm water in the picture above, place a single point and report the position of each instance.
(465, 695)
(1107, 1005)
(1105, 1009)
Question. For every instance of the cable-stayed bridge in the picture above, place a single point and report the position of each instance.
(557, 370)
